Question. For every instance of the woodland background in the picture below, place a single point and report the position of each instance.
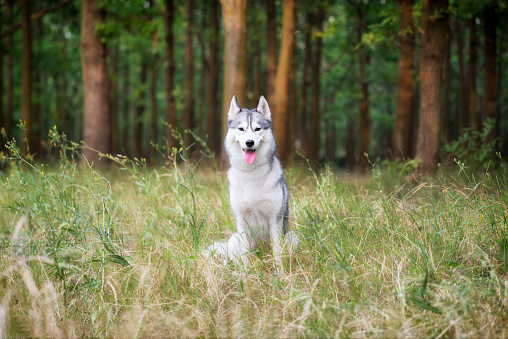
(344, 78)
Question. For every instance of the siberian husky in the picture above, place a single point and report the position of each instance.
(258, 193)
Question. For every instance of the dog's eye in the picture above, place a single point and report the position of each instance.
(241, 129)
(257, 129)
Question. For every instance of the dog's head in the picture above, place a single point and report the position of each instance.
(250, 128)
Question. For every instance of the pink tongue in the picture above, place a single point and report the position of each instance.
(249, 156)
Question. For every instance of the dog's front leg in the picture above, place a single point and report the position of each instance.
(276, 238)
(238, 245)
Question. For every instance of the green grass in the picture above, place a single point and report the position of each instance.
(118, 254)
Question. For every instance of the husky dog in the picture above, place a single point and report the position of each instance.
(258, 193)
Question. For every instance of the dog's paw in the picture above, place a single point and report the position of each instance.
(292, 242)
(217, 251)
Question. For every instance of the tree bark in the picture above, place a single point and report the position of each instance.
(188, 73)
(26, 77)
(96, 112)
(490, 106)
(153, 102)
(405, 75)
(304, 130)
(471, 75)
(351, 144)
(364, 118)
(315, 116)
(281, 103)
(433, 38)
(461, 88)
(213, 119)
(140, 109)
(10, 77)
(126, 112)
(271, 48)
(114, 99)
(447, 131)
(169, 73)
(234, 16)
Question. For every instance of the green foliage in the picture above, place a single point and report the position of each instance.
(473, 147)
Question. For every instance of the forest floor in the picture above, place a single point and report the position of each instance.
(118, 254)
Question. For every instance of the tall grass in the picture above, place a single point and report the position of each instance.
(117, 253)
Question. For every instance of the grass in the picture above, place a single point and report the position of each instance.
(118, 254)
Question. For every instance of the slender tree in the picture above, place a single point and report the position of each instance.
(96, 111)
(26, 76)
(213, 118)
(114, 99)
(433, 38)
(140, 108)
(304, 130)
(280, 104)
(271, 48)
(471, 75)
(489, 35)
(364, 117)
(462, 116)
(234, 16)
(447, 74)
(153, 100)
(315, 114)
(169, 73)
(9, 76)
(188, 72)
(405, 76)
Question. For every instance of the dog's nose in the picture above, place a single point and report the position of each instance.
(249, 143)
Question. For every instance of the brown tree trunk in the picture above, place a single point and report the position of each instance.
(281, 103)
(433, 38)
(169, 73)
(364, 118)
(10, 78)
(447, 131)
(2, 118)
(405, 75)
(315, 115)
(213, 119)
(291, 116)
(351, 144)
(26, 77)
(461, 93)
(271, 48)
(304, 130)
(234, 16)
(188, 73)
(471, 75)
(153, 102)
(126, 112)
(490, 106)
(63, 90)
(96, 111)
(140, 110)
(114, 100)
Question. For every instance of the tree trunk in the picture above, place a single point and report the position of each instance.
(234, 16)
(140, 109)
(170, 70)
(351, 144)
(26, 77)
(271, 48)
(281, 103)
(446, 131)
(291, 115)
(490, 109)
(63, 89)
(213, 126)
(405, 75)
(153, 102)
(10, 77)
(433, 38)
(126, 112)
(315, 85)
(96, 112)
(461, 93)
(304, 130)
(471, 75)
(364, 119)
(188, 74)
(114, 99)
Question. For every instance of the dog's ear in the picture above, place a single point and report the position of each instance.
(263, 108)
(234, 108)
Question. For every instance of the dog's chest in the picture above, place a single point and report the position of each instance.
(255, 197)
